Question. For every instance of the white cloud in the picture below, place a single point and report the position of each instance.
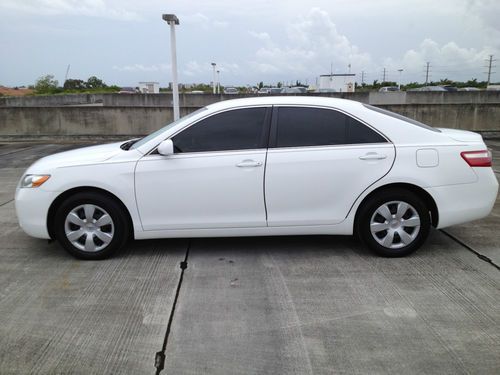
(203, 21)
(446, 61)
(142, 68)
(93, 8)
(192, 68)
(312, 43)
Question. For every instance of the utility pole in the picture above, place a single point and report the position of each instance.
(213, 80)
(362, 77)
(428, 66)
(218, 81)
(383, 75)
(67, 72)
(399, 80)
(490, 61)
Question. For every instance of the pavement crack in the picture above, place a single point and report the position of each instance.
(4, 203)
(477, 253)
(160, 356)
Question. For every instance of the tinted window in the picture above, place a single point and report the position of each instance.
(233, 130)
(310, 127)
(360, 133)
(319, 127)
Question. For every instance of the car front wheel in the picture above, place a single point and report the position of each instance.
(90, 226)
(394, 223)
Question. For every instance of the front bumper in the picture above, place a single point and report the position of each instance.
(32, 207)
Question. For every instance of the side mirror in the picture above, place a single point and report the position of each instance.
(166, 148)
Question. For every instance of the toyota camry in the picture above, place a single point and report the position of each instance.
(263, 166)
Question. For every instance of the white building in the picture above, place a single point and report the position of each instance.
(149, 87)
(337, 82)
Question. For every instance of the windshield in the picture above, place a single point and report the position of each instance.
(146, 139)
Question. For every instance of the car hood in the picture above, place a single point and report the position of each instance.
(79, 156)
(461, 135)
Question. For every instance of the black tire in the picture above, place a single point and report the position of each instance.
(102, 203)
(368, 211)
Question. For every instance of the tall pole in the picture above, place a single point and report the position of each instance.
(218, 81)
(172, 20)
(490, 66)
(362, 77)
(399, 81)
(213, 79)
(67, 72)
(383, 76)
(427, 72)
(175, 91)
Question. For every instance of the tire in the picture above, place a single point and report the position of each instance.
(393, 223)
(91, 225)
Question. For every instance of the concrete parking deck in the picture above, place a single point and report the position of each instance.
(282, 305)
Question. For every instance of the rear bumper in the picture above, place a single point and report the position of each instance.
(32, 207)
(462, 203)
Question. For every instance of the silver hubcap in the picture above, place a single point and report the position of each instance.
(89, 228)
(395, 224)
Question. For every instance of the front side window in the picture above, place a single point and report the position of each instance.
(238, 129)
(302, 127)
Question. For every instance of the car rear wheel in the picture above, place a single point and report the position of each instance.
(91, 226)
(394, 223)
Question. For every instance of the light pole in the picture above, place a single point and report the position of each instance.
(399, 81)
(213, 80)
(172, 20)
(218, 81)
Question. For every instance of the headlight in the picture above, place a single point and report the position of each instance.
(34, 180)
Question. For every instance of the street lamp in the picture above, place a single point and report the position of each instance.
(172, 20)
(218, 81)
(213, 81)
(399, 82)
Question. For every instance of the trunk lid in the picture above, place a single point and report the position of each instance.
(461, 135)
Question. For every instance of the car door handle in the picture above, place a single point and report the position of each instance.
(249, 164)
(373, 156)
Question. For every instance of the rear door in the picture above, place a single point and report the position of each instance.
(319, 161)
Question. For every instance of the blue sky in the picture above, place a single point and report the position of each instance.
(124, 42)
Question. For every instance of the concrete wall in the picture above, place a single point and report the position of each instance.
(66, 116)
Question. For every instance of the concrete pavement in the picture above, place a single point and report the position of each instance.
(282, 305)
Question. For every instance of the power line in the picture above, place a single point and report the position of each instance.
(383, 75)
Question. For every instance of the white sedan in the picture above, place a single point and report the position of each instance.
(263, 166)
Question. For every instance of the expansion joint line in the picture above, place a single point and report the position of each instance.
(4, 203)
(477, 253)
(160, 356)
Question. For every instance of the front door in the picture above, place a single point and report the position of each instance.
(215, 179)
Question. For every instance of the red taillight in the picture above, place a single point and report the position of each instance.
(477, 158)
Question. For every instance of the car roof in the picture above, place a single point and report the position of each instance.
(287, 100)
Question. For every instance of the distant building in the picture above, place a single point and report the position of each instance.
(337, 82)
(149, 87)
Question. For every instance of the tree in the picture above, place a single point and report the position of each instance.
(46, 84)
(95, 83)
(74, 84)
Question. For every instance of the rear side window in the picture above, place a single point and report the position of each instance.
(302, 127)
(238, 129)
